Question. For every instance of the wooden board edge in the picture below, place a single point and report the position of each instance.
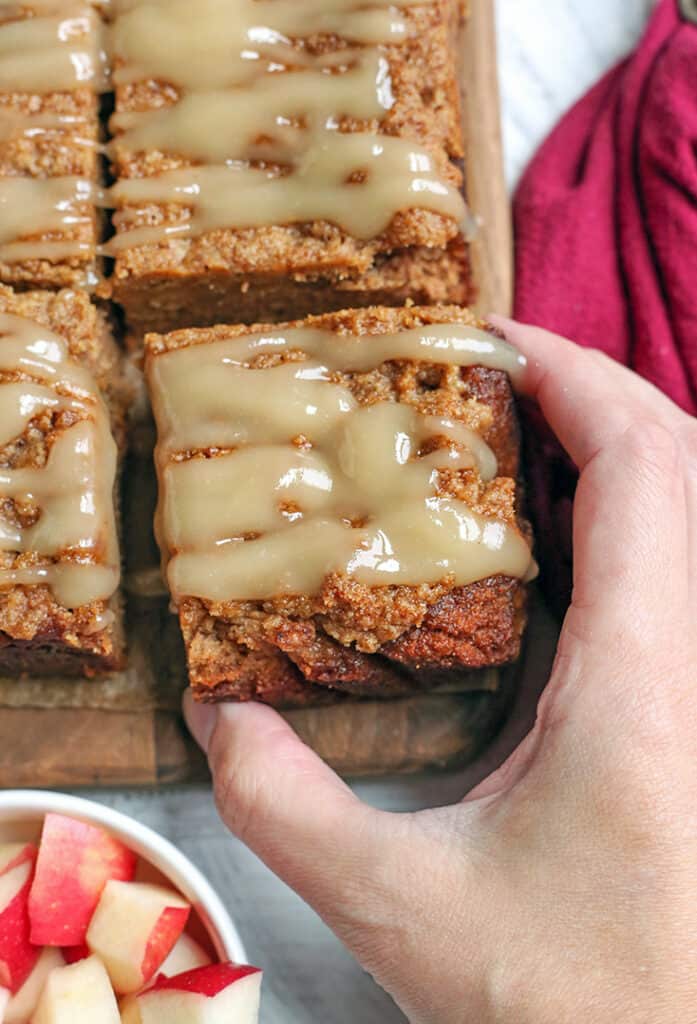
(68, 747)
(492, 248)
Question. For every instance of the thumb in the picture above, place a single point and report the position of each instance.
(388, 885)
(277, 796)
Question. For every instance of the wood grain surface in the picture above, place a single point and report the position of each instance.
(492, 247)
(131, 733)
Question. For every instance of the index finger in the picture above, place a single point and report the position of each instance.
(633, 556)
(588, 399)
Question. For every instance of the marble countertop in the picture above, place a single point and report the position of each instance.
(550, 52)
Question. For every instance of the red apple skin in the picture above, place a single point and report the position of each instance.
(73, 954)
(28, 852)
(134, 929)
(205, 981)
(75, 862)
(24, 1001)
(17, 953)
(170, 924)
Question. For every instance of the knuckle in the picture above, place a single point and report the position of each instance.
(652, 444)
(649, 435)
(601, 362)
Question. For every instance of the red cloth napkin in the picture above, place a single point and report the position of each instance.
(606, 244)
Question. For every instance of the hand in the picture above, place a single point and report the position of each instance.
(564, 888)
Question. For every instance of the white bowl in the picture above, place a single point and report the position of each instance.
(21, 816)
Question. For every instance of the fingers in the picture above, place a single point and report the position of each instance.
(633, 446)
(634, 532)
(279, 798)
(691, 507)
(588, 399)
(631, 543)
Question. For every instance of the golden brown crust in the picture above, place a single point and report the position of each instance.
(68, 150)
(479, 626)
(40, 637)
(284, 271)
(37, 634)
(383, 641)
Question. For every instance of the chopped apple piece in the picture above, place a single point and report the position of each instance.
(130, 1013)
(12, 854)
(17, 954)
(134, 928)
(186, 956)
(77, 994)
(73, 954)
(23, 1004)
(75, 862)
(217, 994)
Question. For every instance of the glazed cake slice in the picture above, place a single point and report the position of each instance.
(339, 502)
(60, 611)
(51, 69)
(276, 158)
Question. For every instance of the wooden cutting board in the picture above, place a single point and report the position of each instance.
(130, 732)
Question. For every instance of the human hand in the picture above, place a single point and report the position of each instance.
(564, 888)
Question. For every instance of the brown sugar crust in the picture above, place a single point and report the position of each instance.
(479, 626)
(283, 271)
(53, 154)
(40, 637)
(381, 641)
(37, 634)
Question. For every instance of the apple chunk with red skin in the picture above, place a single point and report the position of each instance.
(130, 1014)
(17, 954)
(185, 956)
(134, 928)
(217, 994)
(73, 954)
(12, 854)
(23, 1003)
(77, 994)
(75, 862)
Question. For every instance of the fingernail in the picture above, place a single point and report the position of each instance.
(201, 719)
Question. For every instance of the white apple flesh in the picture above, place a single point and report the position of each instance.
(4, 1000)
(133, 931)
(12, 854)
(187, 955)
(217, 994)
(75, 862)
(130, 1013)
(23, 1003)
(77, 994)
